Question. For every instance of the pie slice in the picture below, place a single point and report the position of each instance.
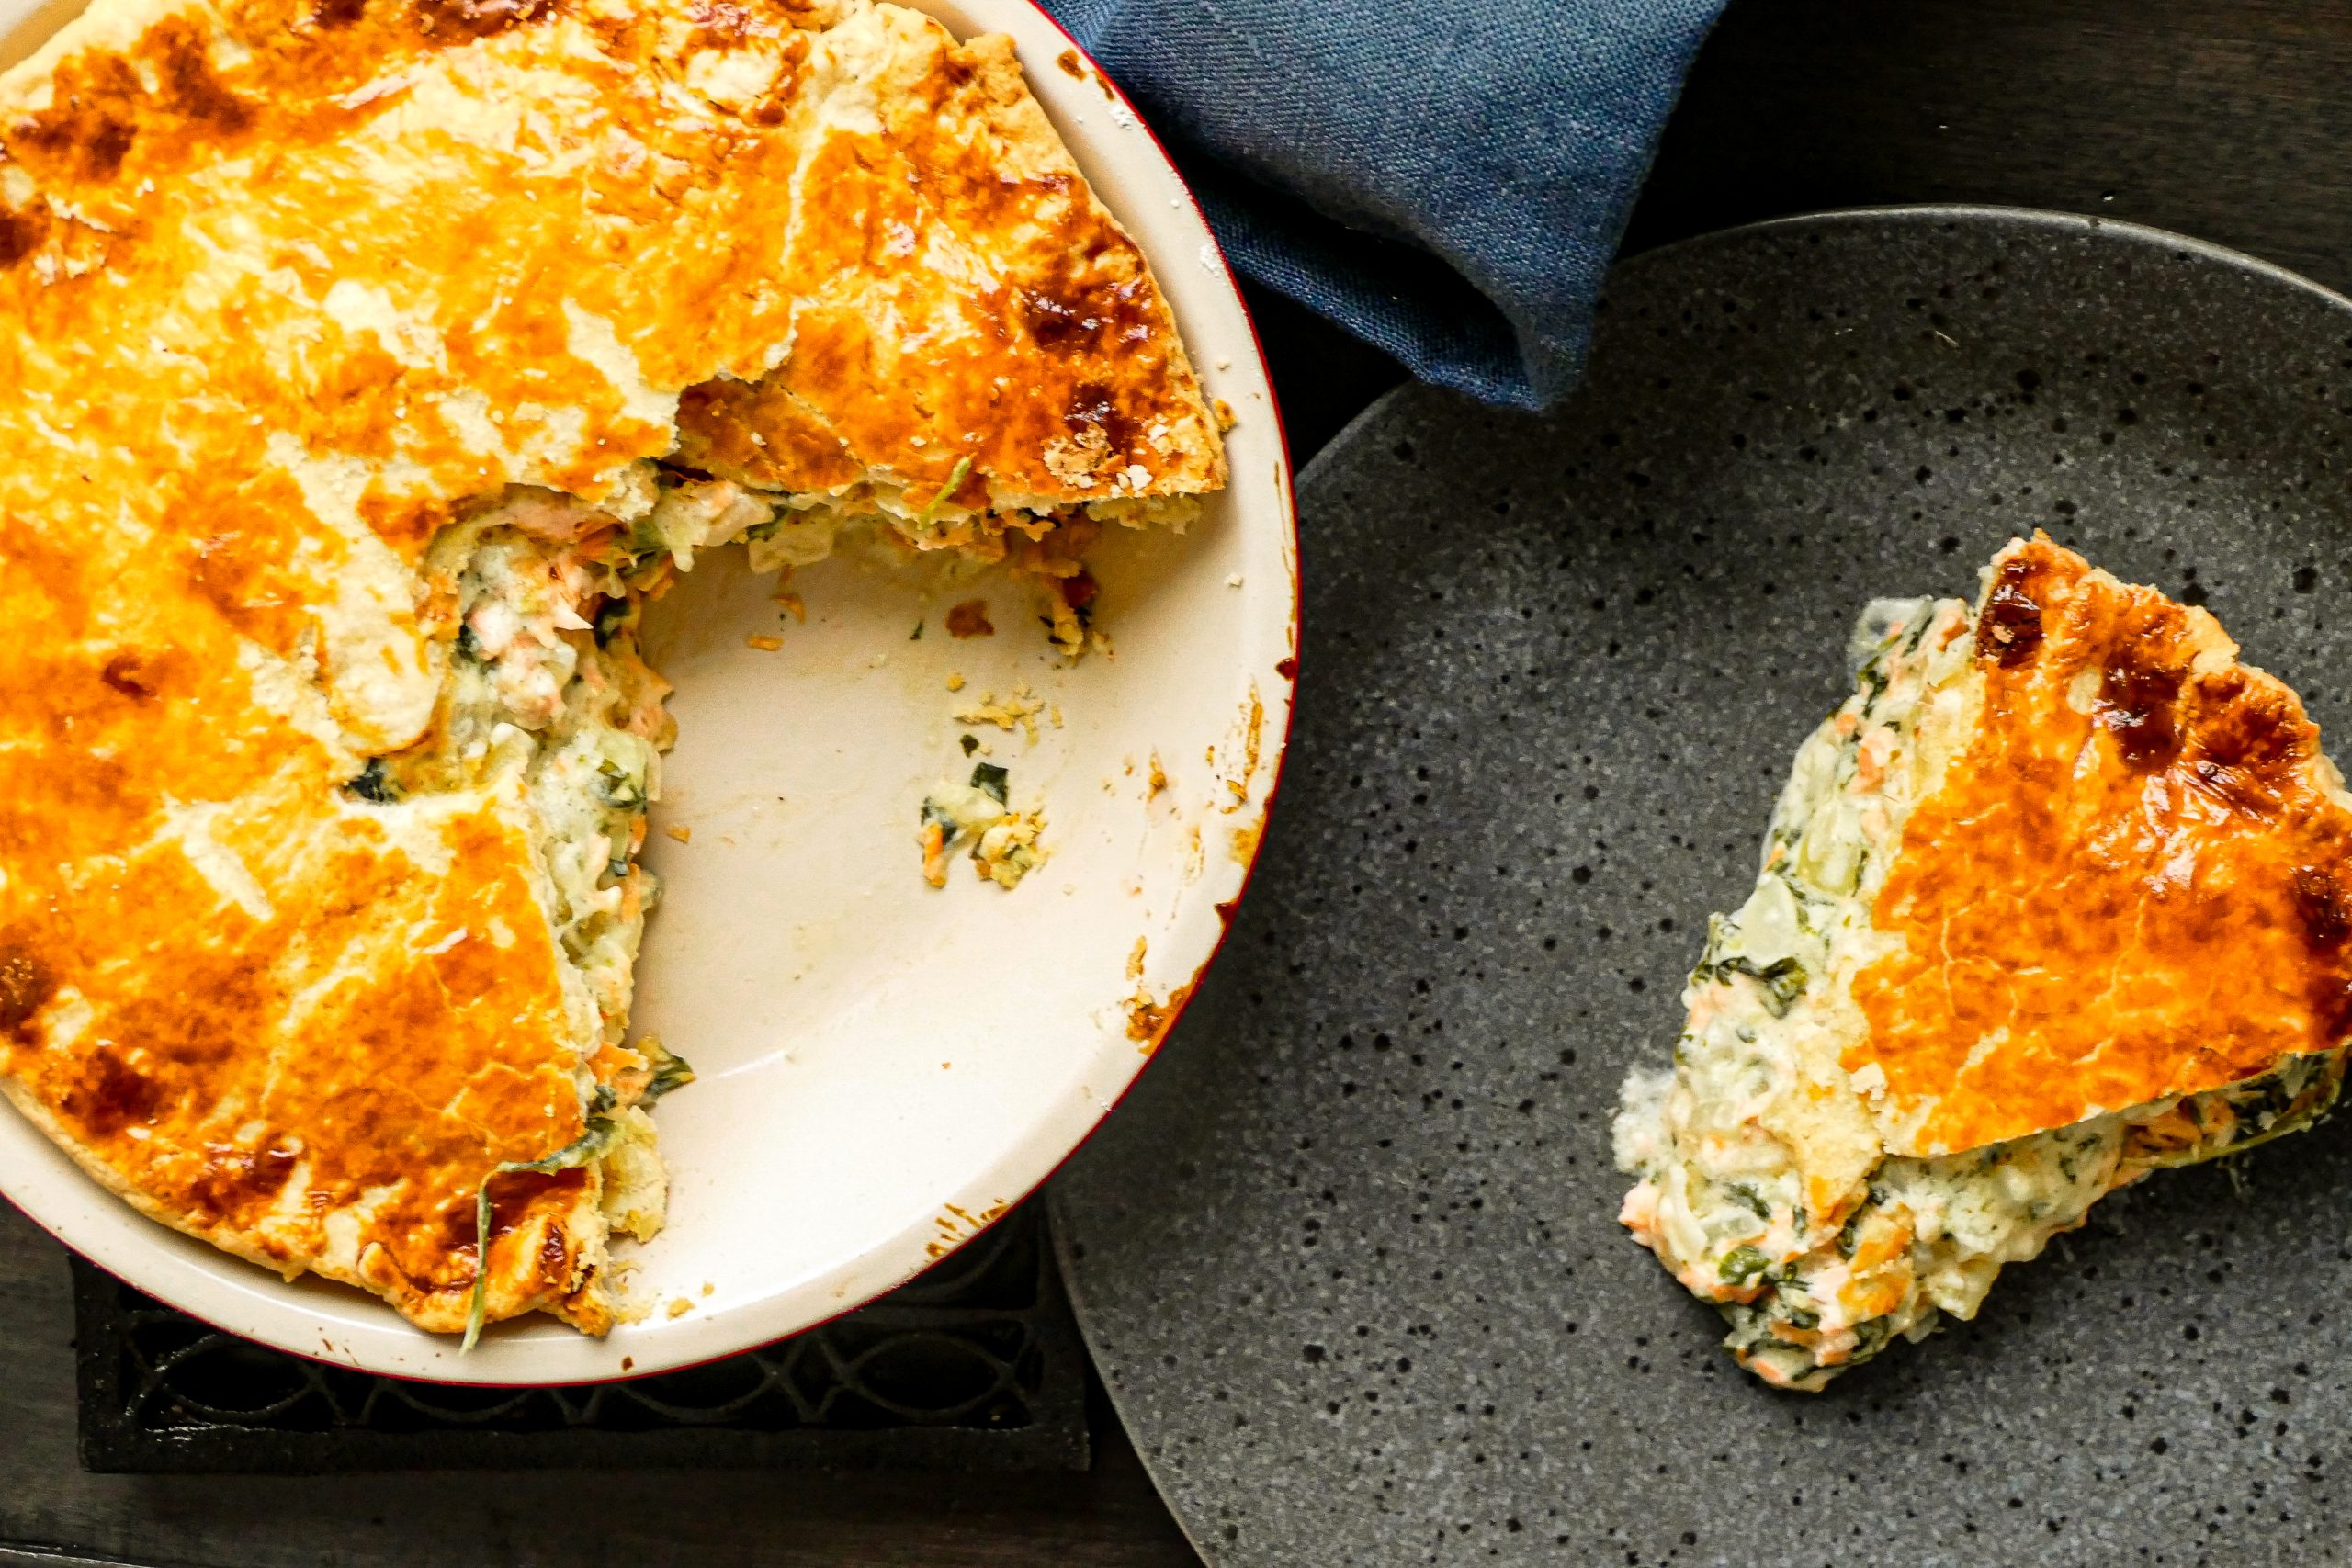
(2057, 898)
(367, 363)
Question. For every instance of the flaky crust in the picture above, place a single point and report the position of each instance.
(2129, 885)
(967, 305)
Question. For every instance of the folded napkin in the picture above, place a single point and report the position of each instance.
(1446, 178)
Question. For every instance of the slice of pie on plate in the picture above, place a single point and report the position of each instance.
(2057, 898)
(367, 363)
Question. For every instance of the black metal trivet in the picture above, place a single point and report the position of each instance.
(976, 1365)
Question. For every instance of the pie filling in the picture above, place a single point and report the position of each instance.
(536, 597)
(1819, 1248)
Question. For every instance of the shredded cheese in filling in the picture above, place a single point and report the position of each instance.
(1761, 1182)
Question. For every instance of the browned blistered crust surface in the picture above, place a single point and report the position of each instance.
(281, 281)
(1057, 379)
(2131, 885)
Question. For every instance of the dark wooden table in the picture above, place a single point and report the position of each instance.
(2229, 119)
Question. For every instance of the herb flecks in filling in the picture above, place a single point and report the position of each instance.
(548, 703)
(1762, 1181)
(537, 597)
(1004, 842)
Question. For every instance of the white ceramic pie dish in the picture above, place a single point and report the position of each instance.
(883, 1067)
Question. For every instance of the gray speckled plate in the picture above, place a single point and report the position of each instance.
(1348, 1257)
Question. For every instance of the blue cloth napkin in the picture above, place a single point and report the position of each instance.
(1446, 178)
